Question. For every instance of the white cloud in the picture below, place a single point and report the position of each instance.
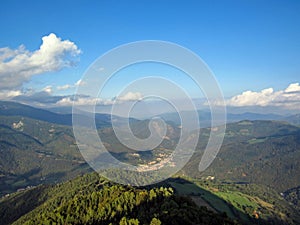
(64, 87)
(7, 53)
(69, 86)
(69, 101)
(86, 100)
(5, 94)
(293, 88)
(288, 98)
(83, 100)
(48, 89)
(19, 65)
(131, 96)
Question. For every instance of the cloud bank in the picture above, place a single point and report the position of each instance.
(69, 86)
(287, 98)
(19, 65)
(9, 94)
(87, 100)
(131, 96)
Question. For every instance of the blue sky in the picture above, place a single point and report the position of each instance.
(249, 45)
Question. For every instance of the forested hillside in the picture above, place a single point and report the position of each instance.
(34, 152)
(94, 200)
(261, 152)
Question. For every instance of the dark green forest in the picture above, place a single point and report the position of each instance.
(91, 199)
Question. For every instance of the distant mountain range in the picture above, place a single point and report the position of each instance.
(293, 119)
(63, 115)
(205, 118)
(18, 109)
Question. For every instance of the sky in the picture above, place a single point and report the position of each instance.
(252, 47)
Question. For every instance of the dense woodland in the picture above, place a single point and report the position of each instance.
(94, 200)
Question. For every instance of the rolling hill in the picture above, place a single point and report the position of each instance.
(262, 152)
(293, 119)
(34, 152)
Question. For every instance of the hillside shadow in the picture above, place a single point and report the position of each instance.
(13, 208)
(205, 198)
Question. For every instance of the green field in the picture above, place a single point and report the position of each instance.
(213, 200)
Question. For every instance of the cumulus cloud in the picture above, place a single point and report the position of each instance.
(87, 100)
(48, 89)
(38, 98)
(5, 94)
(19, 65)
(288, 98)
(131, 96)
(77, 100)
(83, 100)
(293, 88)
(64, 87)
(69, 86)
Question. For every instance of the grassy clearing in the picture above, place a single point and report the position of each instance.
(213, 200)
(257, 140)
(238, 200)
